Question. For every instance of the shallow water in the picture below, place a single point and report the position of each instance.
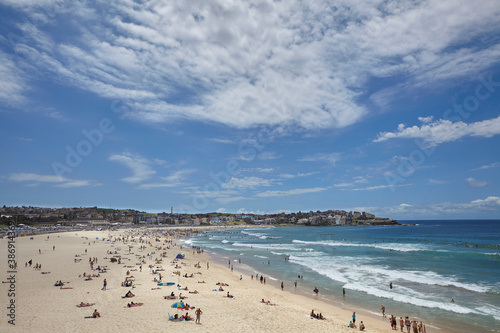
(428, 263)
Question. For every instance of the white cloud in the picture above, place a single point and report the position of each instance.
(475, 183)
(220, 140)
(140, 166)
(488, 202)
(330, 158)
(246, 183)
(27, 177)
(289, 192)
(76, 183)
(438, 210)
(437, 181)
(378, 187)
(300, 174)
(245, 64)
(355, 180)
(174, 180)
(12, 82)
(487, 166)
(59, 181)
(268, 155)
(441, 131)
(263, 170)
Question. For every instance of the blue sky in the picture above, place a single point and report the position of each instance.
(252, 106)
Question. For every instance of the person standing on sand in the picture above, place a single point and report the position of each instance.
(407, 324)
(401, 323)
(104, 284)
(383, 311)
(414, 326)
(354, 317)
(281, 285)
(198, 315)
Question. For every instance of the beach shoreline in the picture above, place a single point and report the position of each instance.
(43, 307)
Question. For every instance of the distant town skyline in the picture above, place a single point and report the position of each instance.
(255, 107)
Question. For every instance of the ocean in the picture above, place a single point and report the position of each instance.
(429, 263)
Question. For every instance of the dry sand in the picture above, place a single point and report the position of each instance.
(42, 307)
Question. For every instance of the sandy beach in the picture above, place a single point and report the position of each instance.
(42, 307)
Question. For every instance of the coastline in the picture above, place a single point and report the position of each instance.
(42, 307)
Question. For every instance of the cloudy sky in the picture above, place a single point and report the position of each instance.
(391, 107)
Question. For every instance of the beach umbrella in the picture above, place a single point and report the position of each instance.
(178, 305)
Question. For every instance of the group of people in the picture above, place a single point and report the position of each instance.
(417, 327)
(317, 315)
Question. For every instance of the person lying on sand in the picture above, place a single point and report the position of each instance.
(133, 305)
(201, 282)
(129, 294)
(268, 302)
(193, 292)
(82, 305)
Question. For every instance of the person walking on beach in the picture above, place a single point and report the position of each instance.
(281, 285)
(104, 284)
(383, 311)
(198, 315)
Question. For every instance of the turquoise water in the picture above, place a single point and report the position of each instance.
(428, 263)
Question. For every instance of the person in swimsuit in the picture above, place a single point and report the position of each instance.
(198, 315)
(407, 324)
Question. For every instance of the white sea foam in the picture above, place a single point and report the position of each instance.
(266, 246)
(225, 241)
(264, 257)
(383, 246)
(399, 297)
(342, 269)
(490, 310)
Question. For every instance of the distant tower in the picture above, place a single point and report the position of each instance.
(171, 210)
